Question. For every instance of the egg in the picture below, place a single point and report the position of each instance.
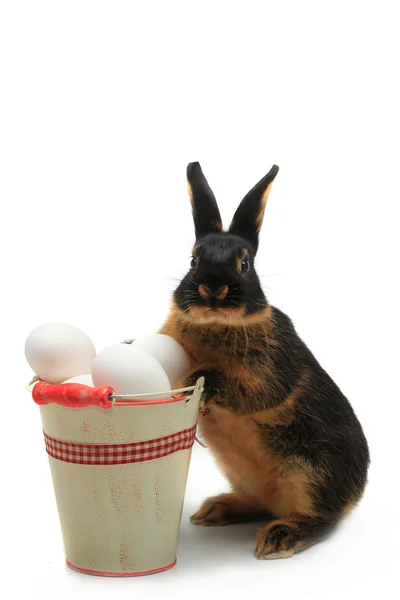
(129, 370)
(169, 353)
(85, 379)
(58, 351)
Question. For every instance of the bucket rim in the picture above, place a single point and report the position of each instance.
(120, 574)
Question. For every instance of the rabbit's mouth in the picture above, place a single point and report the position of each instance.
(214, 303)
(220, 300)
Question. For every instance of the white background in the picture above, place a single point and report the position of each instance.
(103, 104)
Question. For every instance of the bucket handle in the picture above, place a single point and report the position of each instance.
(138, 396)
(79, 395)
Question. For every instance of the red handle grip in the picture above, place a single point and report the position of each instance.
(71, 395)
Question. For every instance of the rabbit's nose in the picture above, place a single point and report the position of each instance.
(219, 294)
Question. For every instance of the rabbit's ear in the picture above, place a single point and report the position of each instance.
(249, 216)
(205, 211)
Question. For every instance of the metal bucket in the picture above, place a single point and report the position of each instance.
(119, 468)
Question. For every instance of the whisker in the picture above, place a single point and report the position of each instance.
(235, 339)
(229, 328)
(245, 335)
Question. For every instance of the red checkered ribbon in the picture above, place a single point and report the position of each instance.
(118, 454)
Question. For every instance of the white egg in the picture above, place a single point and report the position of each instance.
(85, 379)
(169, 353)
(58, 351)
(129, 370)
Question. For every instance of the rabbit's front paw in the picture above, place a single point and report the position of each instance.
(212, 382)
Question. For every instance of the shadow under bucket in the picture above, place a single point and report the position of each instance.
(119, 470)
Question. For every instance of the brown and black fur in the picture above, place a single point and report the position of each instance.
(283, 433)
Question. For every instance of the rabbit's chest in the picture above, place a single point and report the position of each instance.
(236, 444)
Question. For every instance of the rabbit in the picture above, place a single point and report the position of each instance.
(284, 435)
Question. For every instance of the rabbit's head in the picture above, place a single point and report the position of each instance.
(222, 285)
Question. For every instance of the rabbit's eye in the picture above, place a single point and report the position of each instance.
(245, 266)
(193, 262)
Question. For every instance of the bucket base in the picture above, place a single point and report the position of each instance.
(122, 574)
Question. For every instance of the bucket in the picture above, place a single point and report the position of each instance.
(119, 468)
